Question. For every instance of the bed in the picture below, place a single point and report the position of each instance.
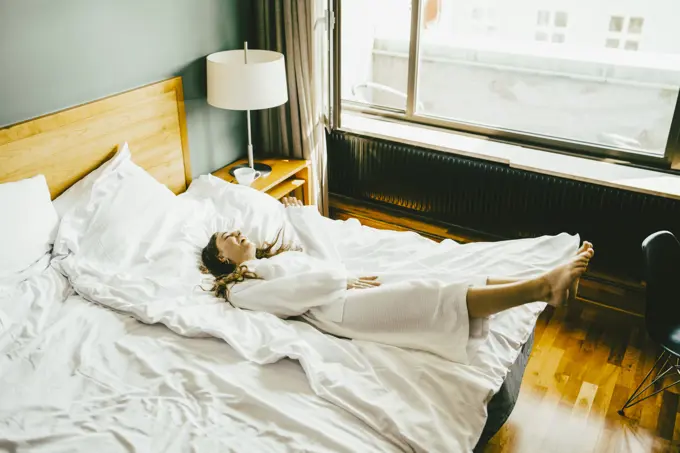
(75, 375)
(503, 401)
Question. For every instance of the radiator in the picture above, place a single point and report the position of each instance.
(495, 199)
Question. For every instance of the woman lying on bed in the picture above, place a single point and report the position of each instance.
(421, 313)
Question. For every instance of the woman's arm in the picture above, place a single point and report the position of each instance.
(291, 283)
(291, 295)
(312, 230)
(306, 223)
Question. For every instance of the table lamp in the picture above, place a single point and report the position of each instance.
(247, 80)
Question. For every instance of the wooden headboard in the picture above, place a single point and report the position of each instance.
(67, 145)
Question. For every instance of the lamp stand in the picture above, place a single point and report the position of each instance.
(264, 169)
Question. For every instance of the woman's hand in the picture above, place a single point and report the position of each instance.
(363, 283)
(291, 202)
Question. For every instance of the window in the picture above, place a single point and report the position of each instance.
(616, 24)
(374, 42)
(625, 32)
(612, 43)
(631, 45)
(594, 78)
(635, 25)
(551, 26)
(561, 19)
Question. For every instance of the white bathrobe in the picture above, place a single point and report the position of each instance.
(423, 312)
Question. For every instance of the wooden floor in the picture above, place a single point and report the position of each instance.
(585, 363)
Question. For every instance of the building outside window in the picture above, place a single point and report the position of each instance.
(602, 76)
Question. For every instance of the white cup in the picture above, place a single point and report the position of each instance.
(246, 175)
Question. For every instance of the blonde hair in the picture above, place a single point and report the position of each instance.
(226, 273)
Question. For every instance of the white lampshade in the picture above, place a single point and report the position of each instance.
(235, 85)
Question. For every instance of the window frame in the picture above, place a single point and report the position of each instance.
(669, 162)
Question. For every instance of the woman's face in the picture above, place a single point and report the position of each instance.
(235, 247)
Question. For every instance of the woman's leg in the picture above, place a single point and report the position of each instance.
(504, 281)
(552, 287)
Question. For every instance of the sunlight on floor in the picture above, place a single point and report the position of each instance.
(584, 365)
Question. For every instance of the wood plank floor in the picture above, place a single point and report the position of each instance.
(585, 363)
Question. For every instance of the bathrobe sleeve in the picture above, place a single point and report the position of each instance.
(313, 232)
(291, 284)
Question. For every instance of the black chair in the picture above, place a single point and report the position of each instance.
(661, 255)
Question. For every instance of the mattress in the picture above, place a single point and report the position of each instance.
(503, 402)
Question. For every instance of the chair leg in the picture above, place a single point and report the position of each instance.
(661, 374)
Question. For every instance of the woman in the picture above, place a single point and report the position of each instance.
(423, 313)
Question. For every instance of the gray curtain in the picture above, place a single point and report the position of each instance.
(296, 128)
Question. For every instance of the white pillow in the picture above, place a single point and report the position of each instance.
(29, 224)
(118, 220)
(256, 214)
(80, 191)
(131, 224)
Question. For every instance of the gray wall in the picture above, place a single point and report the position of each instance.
(59, 53)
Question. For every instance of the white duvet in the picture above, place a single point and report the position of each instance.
(77, 377)
(134, 249)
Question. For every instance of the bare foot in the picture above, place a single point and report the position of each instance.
(559, 280)
(573, 289)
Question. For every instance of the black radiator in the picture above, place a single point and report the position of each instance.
(498, 200)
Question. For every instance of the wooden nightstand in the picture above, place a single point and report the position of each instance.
(288, 175)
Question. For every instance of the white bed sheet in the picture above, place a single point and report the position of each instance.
(416, 401)
(77, 377)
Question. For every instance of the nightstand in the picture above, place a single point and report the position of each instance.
(288, 175)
